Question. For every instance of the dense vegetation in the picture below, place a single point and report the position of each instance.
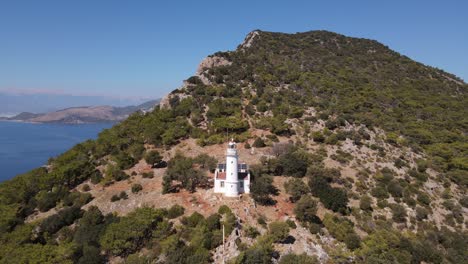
(358, 80)
(279, 78)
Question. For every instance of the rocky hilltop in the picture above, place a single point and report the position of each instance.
(358, 155)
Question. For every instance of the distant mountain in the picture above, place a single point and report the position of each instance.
(85, 114)
(13, 103)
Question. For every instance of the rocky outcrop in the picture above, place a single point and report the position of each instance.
(166, 100)
(217, 61)
(208, 63)
(248, 41)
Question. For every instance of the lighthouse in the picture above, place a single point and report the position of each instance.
(232, 177)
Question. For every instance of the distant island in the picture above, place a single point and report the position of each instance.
(84, 114)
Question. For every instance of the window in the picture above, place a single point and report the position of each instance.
(241, 184)
(222, 184)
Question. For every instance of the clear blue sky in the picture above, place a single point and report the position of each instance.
(146, 48)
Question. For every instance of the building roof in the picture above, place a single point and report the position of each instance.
(222, 175)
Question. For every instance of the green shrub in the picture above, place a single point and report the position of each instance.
(63, 218)
(314, 228)
(262, 188)
(255, 255)
(229, 222)
(273, 138)
(421, 213)
(115, 198)
(148, 175)
(352, 241)
(293, 163)
(123, 195)
(193, 220)
(296, 188)
(206, 162)
(251, 232)
(365, 203)
(395, 189)
(342, 157)
(261, 220)
(96, 177)
(124, 160)
(423, 198)
(422, 165)
(130, 233)
(458, 176)
(194, 80)
(76, 198)
(136, 187)
(46, 200)
(224, 209)
(464, 201)
(231, 124)
(382, 204)
(136, 258)
(152, 157)
(332, 139)
(86, 188)
(175, 211)
(318, 137)
(181, 169)
(291, 224)
(278, 231)
(213, 222)
(399, 213)
(334, 199)
(420, 176)
(250, 110)
(91, 254)
(305, 209)
(342, 229)
(399, 163)
(113, 173)
(259, 143)
(379, 192)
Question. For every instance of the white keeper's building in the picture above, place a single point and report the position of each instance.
(232, 178)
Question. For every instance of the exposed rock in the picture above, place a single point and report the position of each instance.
(208, 63)
(248, 41)
(166, 100)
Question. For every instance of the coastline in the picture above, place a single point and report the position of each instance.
(59, 123)
(26, 145)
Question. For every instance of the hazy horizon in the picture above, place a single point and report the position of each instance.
(15, 103)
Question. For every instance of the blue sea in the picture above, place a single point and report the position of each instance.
(24, 146)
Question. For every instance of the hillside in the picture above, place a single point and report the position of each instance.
(358, 155)
(85, 114)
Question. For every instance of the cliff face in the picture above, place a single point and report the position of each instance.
(357, 155)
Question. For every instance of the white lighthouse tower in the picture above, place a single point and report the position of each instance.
(232, 178)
